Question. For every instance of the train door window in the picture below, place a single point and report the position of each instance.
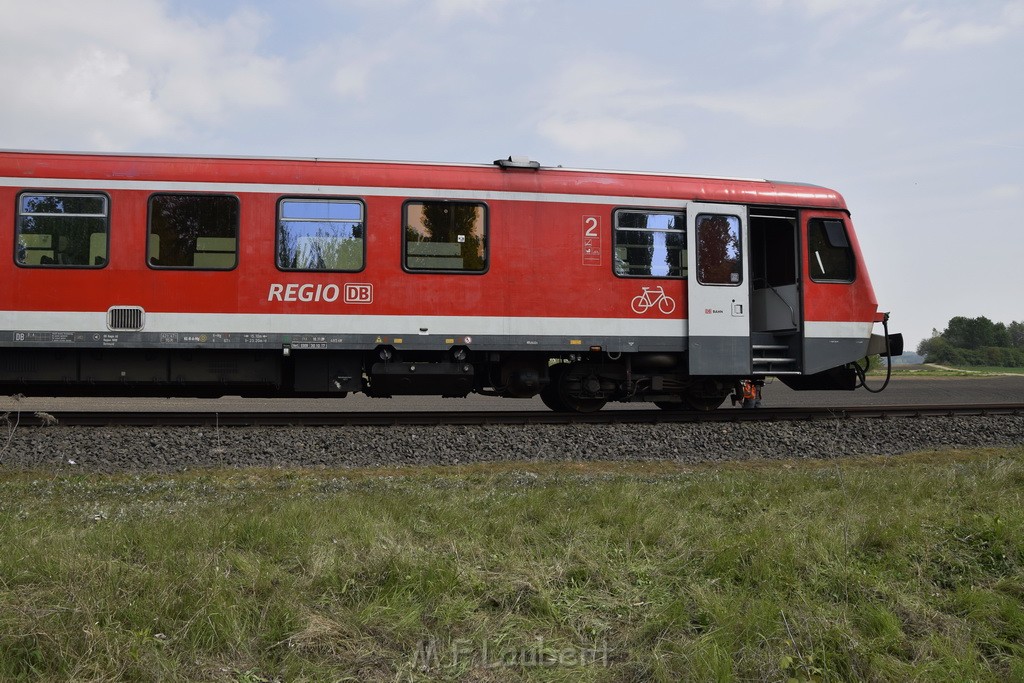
(773, 251)
(445, 236)
(830, 257)
(650, 243)
(320, 234)
(719, 250)
(62, 230)
(193, 231)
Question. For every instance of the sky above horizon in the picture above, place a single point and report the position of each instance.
(913, 110)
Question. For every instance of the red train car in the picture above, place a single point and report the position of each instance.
(278, 277)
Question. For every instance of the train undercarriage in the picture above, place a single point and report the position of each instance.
(572, 382)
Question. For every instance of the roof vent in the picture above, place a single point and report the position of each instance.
(517, 162)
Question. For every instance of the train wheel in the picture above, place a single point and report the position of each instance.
(585, 405)
(705, 396)
(556, 396)
(705, 403)
(549, 395)
(702, 404)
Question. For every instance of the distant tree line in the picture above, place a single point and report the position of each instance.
(976, 341)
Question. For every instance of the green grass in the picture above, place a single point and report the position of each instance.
(877, 569)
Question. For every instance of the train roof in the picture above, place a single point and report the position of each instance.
(511, 174)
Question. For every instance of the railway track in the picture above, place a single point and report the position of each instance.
(266, 418)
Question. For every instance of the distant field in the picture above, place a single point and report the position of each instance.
(895, 568)
(995, 370)
(945, 371)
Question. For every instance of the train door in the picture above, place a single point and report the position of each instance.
(718, 289)
(775, 291)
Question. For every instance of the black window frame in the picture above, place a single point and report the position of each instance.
(828, 239)
(486, 221)
(211, 195)
(319, 198)
(680, 213)
(18, 214)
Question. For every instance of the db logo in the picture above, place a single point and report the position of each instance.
(358, 293)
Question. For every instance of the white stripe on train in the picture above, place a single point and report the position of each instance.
(337, 190)
(407, 325)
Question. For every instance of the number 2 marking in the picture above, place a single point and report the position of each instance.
(591, 240)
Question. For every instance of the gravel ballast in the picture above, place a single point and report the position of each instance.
(175, 449)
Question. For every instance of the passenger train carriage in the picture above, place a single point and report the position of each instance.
(152, 275)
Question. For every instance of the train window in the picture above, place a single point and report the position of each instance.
(59, 230)
(830, 258)
(650, 243)
(445, 236)
(193, 231)
(719, 250)
(320, 234)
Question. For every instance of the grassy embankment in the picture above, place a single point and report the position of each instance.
(925, 370)
(987, 370)
(883, 568)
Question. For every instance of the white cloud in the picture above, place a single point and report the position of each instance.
(354, 71)
(352, 79)
(594, 134)
(932, 30)
(818, 8)
(445, 10)
(1004, 192)
(115, 78)
(595, 105)
(452, 9)
(827, 107)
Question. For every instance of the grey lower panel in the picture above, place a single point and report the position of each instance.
(720, 356)
(338, 342)
(822, 354)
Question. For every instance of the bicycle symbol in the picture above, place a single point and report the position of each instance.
(651, 297)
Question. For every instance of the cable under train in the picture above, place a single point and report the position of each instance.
(198, 276)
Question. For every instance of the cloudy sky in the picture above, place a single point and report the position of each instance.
(914, 109)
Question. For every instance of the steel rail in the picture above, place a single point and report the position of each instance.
(437, 418)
